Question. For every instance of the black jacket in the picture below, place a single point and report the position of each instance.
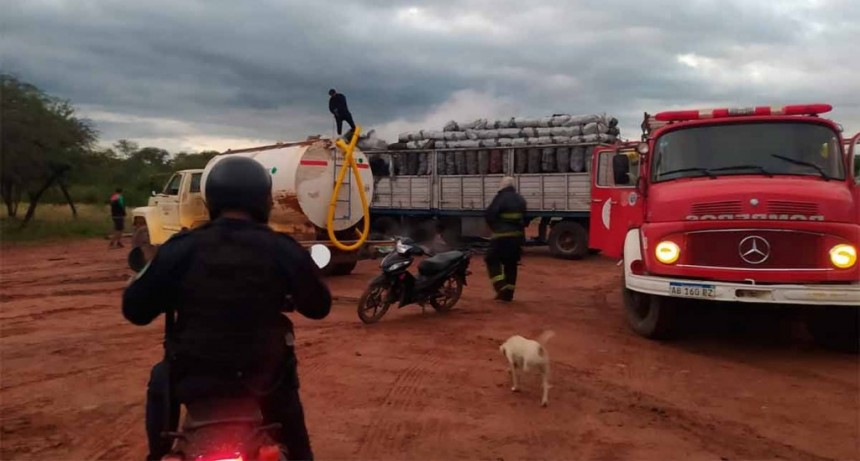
(228, 283)
(337, 105)
(506, 214)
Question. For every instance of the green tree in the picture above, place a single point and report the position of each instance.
(41, 138)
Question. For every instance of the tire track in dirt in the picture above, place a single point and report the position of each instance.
(389, 429)
(55, 376)
(713, 433)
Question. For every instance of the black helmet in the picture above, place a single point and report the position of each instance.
(240, 184)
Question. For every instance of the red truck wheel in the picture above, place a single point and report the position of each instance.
(649, 315)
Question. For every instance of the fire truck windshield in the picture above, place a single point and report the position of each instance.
(760, 148)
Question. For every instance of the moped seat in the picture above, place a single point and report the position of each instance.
(440, 262)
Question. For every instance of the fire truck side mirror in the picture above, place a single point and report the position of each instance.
(621, 169)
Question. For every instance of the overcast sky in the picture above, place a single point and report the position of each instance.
(218, 74)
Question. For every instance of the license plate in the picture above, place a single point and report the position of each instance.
(692, 290)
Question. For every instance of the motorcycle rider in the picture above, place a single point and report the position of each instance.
(506, 218)
(229, 282)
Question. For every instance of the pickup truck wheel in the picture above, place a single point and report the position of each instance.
(568, 240)
(343, 268)
(836, 328)
(649, 315)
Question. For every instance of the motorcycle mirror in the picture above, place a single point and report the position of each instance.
(321, 255)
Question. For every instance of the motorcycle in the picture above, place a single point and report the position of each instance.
(223, 423)
(440, 281)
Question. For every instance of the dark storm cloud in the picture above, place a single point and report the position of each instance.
(184, 72)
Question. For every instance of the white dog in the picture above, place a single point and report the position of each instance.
(528, 353)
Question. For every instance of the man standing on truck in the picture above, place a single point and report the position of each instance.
(506, 218)
(117, 214)
(229, 282)
(337, 106)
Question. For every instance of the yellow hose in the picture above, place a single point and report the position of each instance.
(349, 162)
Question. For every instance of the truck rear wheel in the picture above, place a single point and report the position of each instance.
(836, 327)
(648, 315)
(568, 240)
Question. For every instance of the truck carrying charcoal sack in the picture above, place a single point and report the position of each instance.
(472, 134)
(521, 161)
(471, 162)
(560, 120)
(577, 162)
(487, 134)
(505, 142)
(459, 162)
(483, 162)
(521, 122)
(534, 160)
(584, 119)
(451, 126)
(544, 132)
(594, 128)
(548, 160)
(510, 133)
(562, 159)
(455, 136)
(528, 132)
(496, 159)
(423, 164)
(519, 142)
(450, 163)
(412, 163)
(589, 153)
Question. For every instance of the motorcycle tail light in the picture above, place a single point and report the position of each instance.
(269, 453)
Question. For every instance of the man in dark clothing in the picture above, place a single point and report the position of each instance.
(229, 282)
(337, 106)
(506, 218)
(117, 213)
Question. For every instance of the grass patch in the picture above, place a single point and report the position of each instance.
(55, 222)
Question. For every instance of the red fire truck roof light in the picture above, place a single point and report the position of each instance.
(797, 109)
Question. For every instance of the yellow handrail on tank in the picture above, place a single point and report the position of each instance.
(349, 162)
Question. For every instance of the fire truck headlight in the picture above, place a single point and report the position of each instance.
(667, 252)
(843, 256)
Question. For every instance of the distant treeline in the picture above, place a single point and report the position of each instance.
(49, 154)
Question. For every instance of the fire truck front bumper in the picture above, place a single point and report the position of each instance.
(706, 290)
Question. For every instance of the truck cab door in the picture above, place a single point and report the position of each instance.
(616, 205)
(192, 208)
(168, 204)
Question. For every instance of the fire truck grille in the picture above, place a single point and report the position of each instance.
(783, 207)
(754, 249)
(716, 208)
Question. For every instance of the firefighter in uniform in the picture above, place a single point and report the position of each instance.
(229, 283)
(506, 219)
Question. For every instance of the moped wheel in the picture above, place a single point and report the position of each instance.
(448, 294)
(373, 303)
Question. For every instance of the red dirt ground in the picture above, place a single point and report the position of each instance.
(740, 385)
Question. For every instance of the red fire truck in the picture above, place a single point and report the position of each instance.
(753, 205)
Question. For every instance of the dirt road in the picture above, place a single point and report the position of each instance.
(741, 385)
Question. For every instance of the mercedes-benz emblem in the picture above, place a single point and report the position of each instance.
(754, 249)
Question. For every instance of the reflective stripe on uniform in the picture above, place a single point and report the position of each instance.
(497, 278)
(511, 215)
(508, 287)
